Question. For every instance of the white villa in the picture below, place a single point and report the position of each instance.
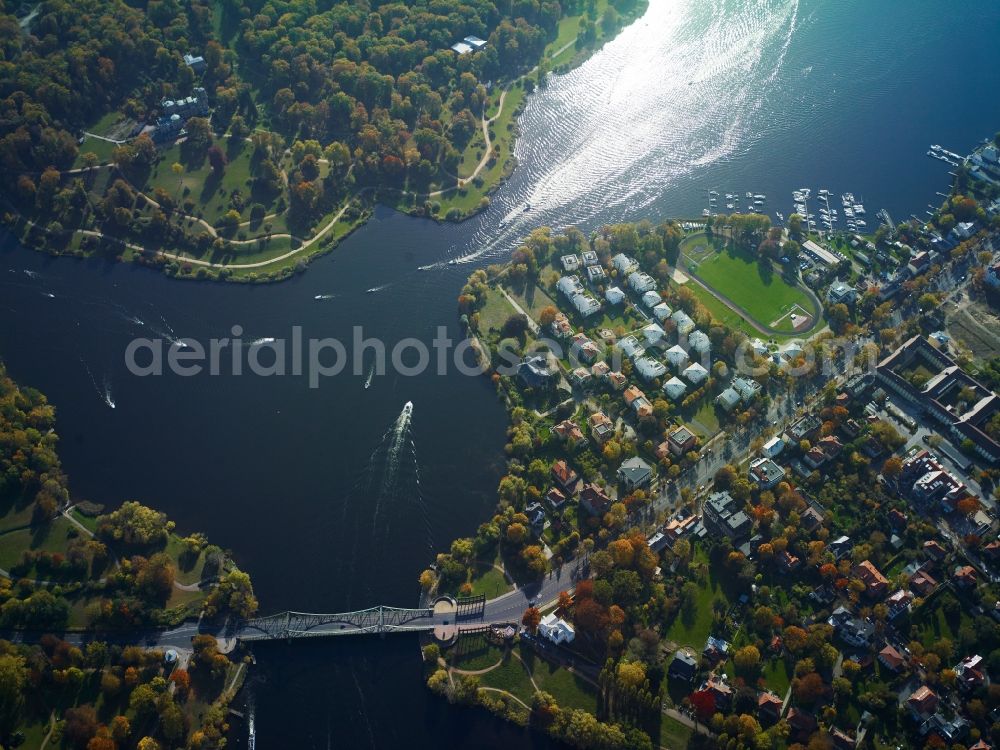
(570, 262)
(675, 388)
(648, 368)
(630, 347)
(677, 356)
(683, 322)
(641, 282)
(699, 341)
(651, 298)
(695, 373)
(614, 295)
(662, 311)
(556, 629)
(624, 264)
(653, 333)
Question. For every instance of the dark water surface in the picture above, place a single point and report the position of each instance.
(326, 496)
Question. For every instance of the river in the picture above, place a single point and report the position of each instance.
(327, 496)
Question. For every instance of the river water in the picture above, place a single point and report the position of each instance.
(332, 498)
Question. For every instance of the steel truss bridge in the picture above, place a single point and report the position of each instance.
(375, 620)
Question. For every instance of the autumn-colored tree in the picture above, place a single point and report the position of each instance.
(892, 467)
(809, 688)
(547, 315)
(532, 616)
(565, 600)
(703, 703)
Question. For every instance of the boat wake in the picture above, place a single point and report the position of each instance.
(324, 296)
(261, 341)
(103, 390)
(379, 288)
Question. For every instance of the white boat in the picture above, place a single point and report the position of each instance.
(729, 206)
(368, 380)
(861, 222)
(713, 192)
(760, 197)
(859, 209)
(749, 194)
(781, 216)
(705, 212)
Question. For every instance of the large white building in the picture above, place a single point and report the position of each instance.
(556, 629)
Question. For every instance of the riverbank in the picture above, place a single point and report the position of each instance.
(173, 207)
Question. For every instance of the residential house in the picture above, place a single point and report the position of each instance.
(634, 473)
(891, 658)
(698, 341)
(561, 327)
(617, 380)
(641, 282)
(720, 690)
(748, 389)
(899, 603)
(649, 368)
(594, 500)
(590, 258)
(556, 629)
(630, 347)
(724, 514)
(674, 388)
(965, 576)
(585, 304)
(195, 62)
(602, 429)
(555, 498)
(624, 264)
(638, 401)
(971, 672)
(923, 702)
(769, 707)
(614, 295)
(569, 286)
(565, 478)
(841, 293)
(475, 42)
(875, 583)
(934, 550)
(662, 311)
(653, 334)
(922, 582)
(773, 447)
(569, 433)
(581, 378)
(534, 372)
(787, 562)
(681, 440)
(852, 630)
(695, 373)
(683, 667)
(570, 263)
(677, 357)
(802, 724)
(683, 322)
(804, 428)
(651, 299)
(765, 473)
(584, 349)
(600, 370)
(536, 517)
(596, 274)
(727, 400)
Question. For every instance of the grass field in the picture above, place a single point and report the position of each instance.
(673, 734)
(496, 310)
(569, 690)
(510, 676)
(55, 537)
(693, 628)
(748, 284)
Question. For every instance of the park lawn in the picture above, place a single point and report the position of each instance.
(188, 571)
(53, 537)
(210, 195)
(486, 579)
(495, 312)
(673, 734)
(692, 629)
(738, 276)
(569, 690)
(88, 522)
(704, 419)
(17, 517)
(778, 676)
(934, 624)
(510, 676)
(103, 150)
(532, 299)
(473, 654)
